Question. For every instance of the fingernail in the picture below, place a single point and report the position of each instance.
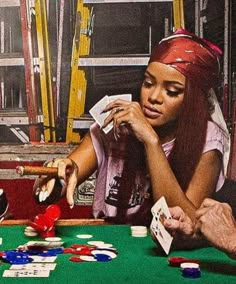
(72, 205)
(63, 183)
(40, 196)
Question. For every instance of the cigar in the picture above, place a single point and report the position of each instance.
(31, 170)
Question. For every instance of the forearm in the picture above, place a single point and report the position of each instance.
(163, 181)
(85, 158)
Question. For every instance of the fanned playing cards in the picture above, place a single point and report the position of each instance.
(97, 110)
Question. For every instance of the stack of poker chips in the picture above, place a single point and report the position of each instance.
(190, 267)
(138, 231)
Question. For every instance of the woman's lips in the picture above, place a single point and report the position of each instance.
(151, 113)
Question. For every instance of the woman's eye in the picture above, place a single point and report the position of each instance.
(147, 84)
(174, 93)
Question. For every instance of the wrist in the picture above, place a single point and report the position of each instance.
(230, 249)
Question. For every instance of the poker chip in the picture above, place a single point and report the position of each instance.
(138, 231)
(191, 272)
(16, 257)
(189, 265)
(75, 259)
(104, 246)
(53, 239)
(88, 258)
(105, 252)
(102, 257)
(176, 261)
(29, 229)
(30, 233)
(95, 243)
(84, 236)
(78, 246)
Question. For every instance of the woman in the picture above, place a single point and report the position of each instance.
(166, 145)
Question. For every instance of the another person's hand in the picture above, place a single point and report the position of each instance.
(51, 189)
(182, 228)
(180, 222)
(217, 224)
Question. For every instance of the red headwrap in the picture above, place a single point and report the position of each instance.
(196, 58)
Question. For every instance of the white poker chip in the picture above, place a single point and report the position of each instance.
(138, 228)
(106, 252)
(30, 233)
(84, 236)
(95, 243)
(189, 265)
(87, 258)
(104, 246)
(53, 239)
(54, 244)
(29, 229)
(139, 235)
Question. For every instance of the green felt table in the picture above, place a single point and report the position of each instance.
(137, 262)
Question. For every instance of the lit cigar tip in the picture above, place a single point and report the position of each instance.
(19, 170)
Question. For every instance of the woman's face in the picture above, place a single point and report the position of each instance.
(162, 94)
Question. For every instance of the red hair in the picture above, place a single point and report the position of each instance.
(190, 134)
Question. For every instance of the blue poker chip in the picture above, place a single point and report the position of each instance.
(15, 257)
(47, 253)
(102, 257)
(191, 272)
(56, 250)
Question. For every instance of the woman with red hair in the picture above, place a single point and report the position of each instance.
(173, 143)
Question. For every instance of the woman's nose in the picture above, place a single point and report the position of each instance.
(157, 95)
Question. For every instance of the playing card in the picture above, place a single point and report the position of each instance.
(97, 110)
(33, 266)
(161, 234)
(161, 208)
(38, 258)
(26, 273)
(161, 212)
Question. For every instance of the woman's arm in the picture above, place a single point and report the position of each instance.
(164, 182)
(85, 158)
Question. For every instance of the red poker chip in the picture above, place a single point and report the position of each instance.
(53, 211)
(176, 261)
(75, 259)
(78, 246)
(68, 250)
(82, 252)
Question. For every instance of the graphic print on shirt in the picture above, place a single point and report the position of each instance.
(114, 179)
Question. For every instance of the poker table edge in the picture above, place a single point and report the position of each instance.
(61, 222)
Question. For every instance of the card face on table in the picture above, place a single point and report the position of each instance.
(26, 273)
(160, 212)
(97, 110)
